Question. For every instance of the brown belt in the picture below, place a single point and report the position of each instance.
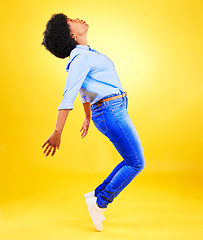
(99, 103)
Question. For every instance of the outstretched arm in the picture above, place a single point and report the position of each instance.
(86, 122)
(78, 70)
(54, 140)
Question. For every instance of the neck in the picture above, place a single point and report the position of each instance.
(82, 40)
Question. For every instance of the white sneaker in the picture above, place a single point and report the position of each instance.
(89, 194)
(96, 213)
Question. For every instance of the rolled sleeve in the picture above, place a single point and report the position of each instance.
(78, 70)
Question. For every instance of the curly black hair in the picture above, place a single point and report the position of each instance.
(57, 38)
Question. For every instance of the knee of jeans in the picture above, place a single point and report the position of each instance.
(139, 165)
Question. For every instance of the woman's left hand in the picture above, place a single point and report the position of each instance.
(85, 127)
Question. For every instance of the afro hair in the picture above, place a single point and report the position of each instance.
(57, 38)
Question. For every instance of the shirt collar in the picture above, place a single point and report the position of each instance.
(85, 47)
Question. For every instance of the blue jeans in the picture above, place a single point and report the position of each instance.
(112, 119)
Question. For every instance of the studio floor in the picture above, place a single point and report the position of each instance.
(155, 206)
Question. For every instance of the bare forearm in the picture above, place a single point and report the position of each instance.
(87, 109)
(61, 119)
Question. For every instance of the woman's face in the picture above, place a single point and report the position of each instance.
(77, 27)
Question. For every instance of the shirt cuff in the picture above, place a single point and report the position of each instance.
(65, 106)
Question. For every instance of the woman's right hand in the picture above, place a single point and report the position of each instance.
(85, 127)
(53, 142)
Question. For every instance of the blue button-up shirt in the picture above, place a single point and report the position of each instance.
(92, 74)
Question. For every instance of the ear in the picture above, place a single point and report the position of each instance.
(72, 35)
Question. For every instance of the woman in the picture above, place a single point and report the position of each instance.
(93, 74)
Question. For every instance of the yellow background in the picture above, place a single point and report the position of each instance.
(156, 48)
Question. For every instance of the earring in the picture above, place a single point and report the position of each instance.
(75, 38)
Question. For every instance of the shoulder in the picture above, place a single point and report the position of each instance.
(78, 54)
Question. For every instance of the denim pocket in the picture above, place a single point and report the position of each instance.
(117, 103)
(99, 121)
